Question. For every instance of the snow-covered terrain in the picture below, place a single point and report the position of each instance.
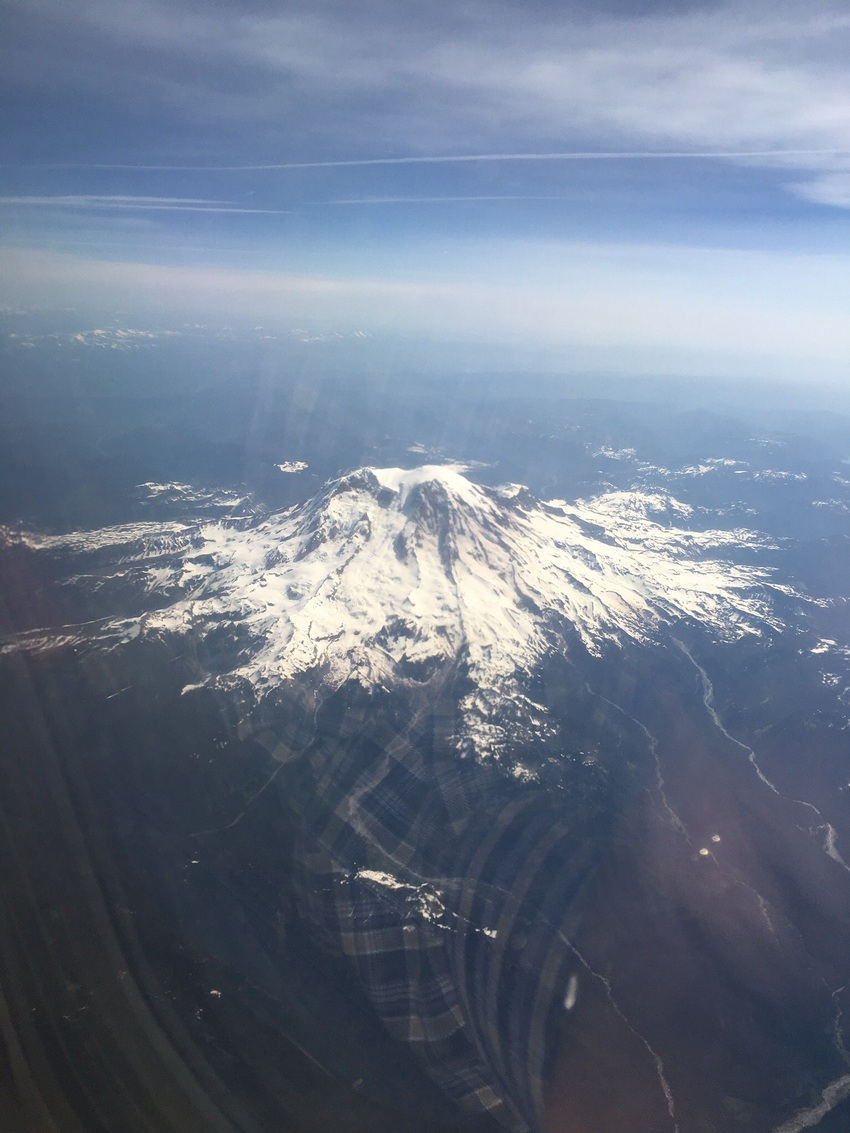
(389, 576)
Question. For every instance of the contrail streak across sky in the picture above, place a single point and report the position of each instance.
(157, 204)
(448, 159)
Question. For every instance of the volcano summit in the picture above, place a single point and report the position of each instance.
(389, 576)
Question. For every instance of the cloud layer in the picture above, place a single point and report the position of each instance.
(375, 80)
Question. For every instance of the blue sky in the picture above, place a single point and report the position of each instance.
(641, 185)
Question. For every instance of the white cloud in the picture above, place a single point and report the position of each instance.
(731, 76)
(726, 80)
(827, 189)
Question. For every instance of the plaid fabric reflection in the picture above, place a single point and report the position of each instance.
(454, 893)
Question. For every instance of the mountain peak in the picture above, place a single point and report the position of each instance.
(393, 575)
(402, 480)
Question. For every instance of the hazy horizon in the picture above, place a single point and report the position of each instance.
(650, 186)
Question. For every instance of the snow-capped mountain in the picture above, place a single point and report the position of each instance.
(389, 576)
